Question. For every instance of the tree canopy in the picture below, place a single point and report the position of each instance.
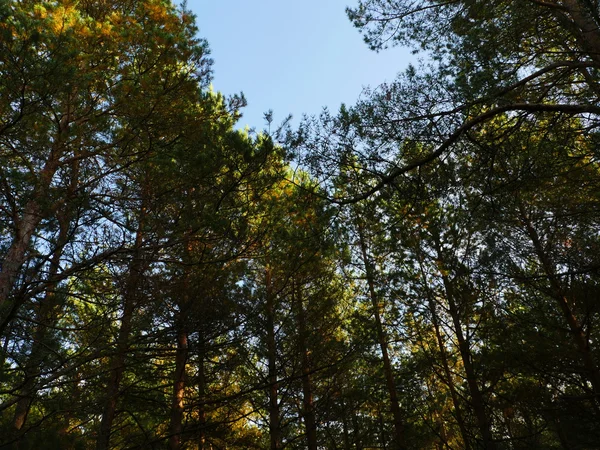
(419, 270)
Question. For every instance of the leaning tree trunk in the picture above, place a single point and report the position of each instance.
(33, 214)
(565, 305)
(444, 359)
(45, 318)
(46, 315)
(477, 399)
(177, 402)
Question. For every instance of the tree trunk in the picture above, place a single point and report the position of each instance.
(399, 442)
(33, 213)
(307, 395)
(564, 441)
(356, 432)
(274, 420)
(26, 225)
(564, 303)
(177, 404)
(445, 365)
(477, 400)
(46, 313)
(346, 434)
(182, 352)
(465, 352)
(382, 430)
(453, 394)
(201, 393)
(131, 299)
(586, 29)
(45, 318)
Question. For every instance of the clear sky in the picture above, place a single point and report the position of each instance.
(291, 56)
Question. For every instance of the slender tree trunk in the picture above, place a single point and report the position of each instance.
(46, 313)
(445, 365)
(346, 434)
(117, 368)
(201, 393)
(177, 404)
(465, 353)
(453, 394)
(382, 430)
(307, 394)
(46, 317)
(565, 305)
(33, 213)
(274, 420)
(131, 298)
(356, 432)
(182, 353)
(477, 400)
(564, 441)
(399, 441)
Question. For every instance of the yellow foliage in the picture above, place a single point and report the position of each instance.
(40, 12)
(63, 19)
(157, 12)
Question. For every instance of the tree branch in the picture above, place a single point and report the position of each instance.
(454, 137)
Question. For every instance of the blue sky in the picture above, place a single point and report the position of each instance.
(293, 57)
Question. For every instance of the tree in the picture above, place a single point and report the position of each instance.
(428, 280)
(507, 83)
(99, 95)
(91, 86)
(543, 217)
(490, 58)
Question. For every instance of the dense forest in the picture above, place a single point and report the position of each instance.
(420, 270)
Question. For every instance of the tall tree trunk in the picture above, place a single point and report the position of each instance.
(177, 404)
(201, 391)
(564, 441)
(565, 304)
(47, 310)
(477, 399)
(356, 433)
(117, 365)
(33, 213)
(274, 419)
(182, 352)
(449, 382)
(346, 434)
(444, 359)
(131, 298)
(382, 430)
(308, 412)
(45, 318)
(399, 441)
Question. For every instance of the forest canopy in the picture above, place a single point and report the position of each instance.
(419, 270)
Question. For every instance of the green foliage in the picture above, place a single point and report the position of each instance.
(424, 275)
